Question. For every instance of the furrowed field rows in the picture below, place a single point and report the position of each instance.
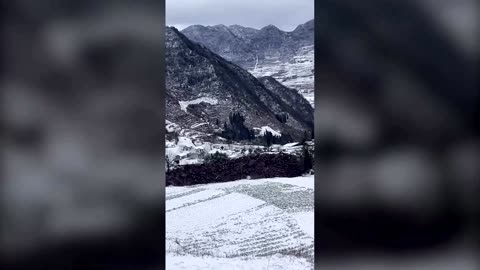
(257, 218)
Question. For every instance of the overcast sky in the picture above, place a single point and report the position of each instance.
(285, 14)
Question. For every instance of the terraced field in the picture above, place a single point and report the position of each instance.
(250, 223)
(297, 73)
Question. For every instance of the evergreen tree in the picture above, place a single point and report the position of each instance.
(268, 138)
(251, 134)
(305, 138)
(307, 159)
(176, 137)
(236, 129)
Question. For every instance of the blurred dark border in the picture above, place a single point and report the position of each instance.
(143, 245)
(355, 43)
(338, 232)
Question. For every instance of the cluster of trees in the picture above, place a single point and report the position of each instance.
(216, 157)
(307, 159)
(236, 130)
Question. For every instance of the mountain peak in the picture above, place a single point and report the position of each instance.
(194, 27)
(309, 25)
(250, 47)
(270, 27)
(221, 26)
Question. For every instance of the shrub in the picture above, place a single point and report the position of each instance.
(251, 166)
(168, 163)
(268, 137)
(216, 157)
(307, 159)
(176, 136)
(257, 150)
(236, 130)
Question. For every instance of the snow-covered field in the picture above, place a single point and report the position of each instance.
(212, 263)
(246, 224)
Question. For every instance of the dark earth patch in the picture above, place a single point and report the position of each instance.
(254, 166)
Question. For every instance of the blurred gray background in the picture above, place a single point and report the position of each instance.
(397, 146)
(82, 133)
(397, 138)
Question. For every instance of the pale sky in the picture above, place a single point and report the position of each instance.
(285, 14)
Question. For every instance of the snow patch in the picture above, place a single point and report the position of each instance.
(305, 181)
(198, 125)
(289, 145)
(306, 221)
(171, 127)
(188, 262)
(194, 217)
(264, 130)
(184, 104)
(192, 199)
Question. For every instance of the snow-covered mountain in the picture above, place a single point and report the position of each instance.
(296, 73)
(286, 56)
(203, 89)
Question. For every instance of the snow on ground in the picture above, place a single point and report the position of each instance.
(181, 148)
(290, 144)
(198, 125)
(305, 221)
(245, 224)
(211, 263)
(192, 150)
(187, 161)
(171, 127)
(264, 130)
(184, 104)
(194, 198)
(298, 73)
(306, 182)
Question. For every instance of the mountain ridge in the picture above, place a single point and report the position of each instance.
(288, 56)
(211, 88)
(219, 38)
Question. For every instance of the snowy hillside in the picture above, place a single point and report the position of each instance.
(297, 73)
(286, 56)
(261, 224)
(204, 90)
(192, 148)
